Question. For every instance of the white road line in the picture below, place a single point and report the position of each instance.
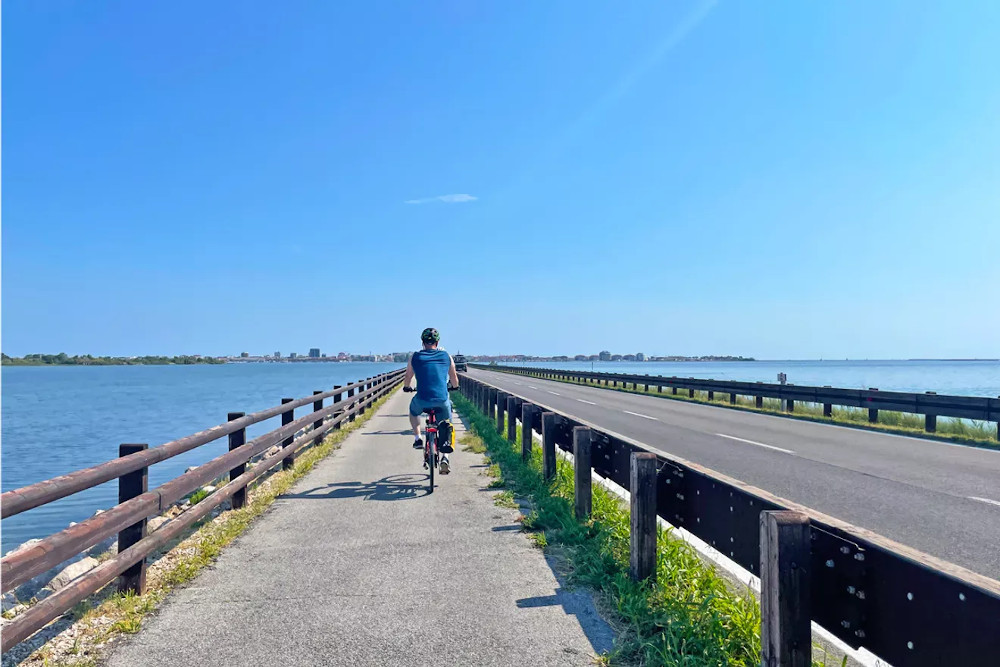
(530, 387)
(554, 393)
(519, 383)
(587, 402)
(640, 415)
(754, 442)
(986, 500)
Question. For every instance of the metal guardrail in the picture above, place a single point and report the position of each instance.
(136, 504)
(904, 606)
(929, 404)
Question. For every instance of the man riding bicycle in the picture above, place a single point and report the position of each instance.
(435, 372)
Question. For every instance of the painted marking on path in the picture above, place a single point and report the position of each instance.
(530, 387)
(637, 414)
(519, 383)
(985, 500)
(554, 393)
(587, 402)
(754, 442)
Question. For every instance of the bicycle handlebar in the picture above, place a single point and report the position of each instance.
(407, 389)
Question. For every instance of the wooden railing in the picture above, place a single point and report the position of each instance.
(904, 606)
(136, 504)
(928, 404)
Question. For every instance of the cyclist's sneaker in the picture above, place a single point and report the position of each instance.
(445, 465)
(418, 444)
(446, 433)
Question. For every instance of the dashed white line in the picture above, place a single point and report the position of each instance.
(519, 383)
(754, 442)
(554, 393)
(587, 402)
(530, 387)
(637, 414)
(985, 500)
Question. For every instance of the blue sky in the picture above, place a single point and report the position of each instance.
(777, 179)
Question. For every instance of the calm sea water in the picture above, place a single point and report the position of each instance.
(60, 419)
(63, 418)
(963, 378)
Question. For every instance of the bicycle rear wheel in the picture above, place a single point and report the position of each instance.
(431, 462)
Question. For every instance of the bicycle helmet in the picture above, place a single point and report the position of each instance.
(430, 335)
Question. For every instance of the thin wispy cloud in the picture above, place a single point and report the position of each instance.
(447, 199)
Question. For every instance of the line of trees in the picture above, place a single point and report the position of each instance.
(63, 359)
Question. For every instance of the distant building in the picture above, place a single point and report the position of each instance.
(293, 355)
(324, 356)
(314, 353)
(244, 355)
(639, 356)
(277, 355)
(629, 357)
(605, 356)
(580, 357)
(616, 357)
(593, 357)
(343, 356)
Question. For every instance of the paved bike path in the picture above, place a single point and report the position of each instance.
(357, 565)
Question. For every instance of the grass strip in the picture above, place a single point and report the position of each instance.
(961, 431)
(109, 615)
(688, 617)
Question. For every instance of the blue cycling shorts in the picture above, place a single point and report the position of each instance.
(418, 406)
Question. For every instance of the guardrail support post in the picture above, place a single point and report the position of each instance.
(732, 398)
(287, 417)
(549, 423)
(581, 471)
(711, 395)
(336, 399)
(690, 393)
(872, 412)
(501, 407)
(785, 611)
(512, 419)
(659, 389)
(673, 390)
(758, 401)
(789, 405)
(237, 439)
(642, 487)
(527, 439)
(317, 425)
(130, 485)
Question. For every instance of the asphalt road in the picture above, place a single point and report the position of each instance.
(939, 498)
(358, 565)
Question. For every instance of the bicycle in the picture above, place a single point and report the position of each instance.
(432, 458)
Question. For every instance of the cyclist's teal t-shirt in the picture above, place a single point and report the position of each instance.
(431, 368)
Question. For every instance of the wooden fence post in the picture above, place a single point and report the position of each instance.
(501, 407)
(237, 439)
(350, 394)
(336, 399)
(642, 487)
(527, 439)
(872, 412)
(785, 600)
(711, 395)
(512, 418)
(581, 471)
(317, 425)
(364, 401)
(549, 423)
(130, 485)
(287, 417)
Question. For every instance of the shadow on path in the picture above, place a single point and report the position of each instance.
(581, 605)
(393, 487)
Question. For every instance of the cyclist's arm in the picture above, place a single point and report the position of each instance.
(408, 377)
(452, 375)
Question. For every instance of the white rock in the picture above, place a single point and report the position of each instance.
(75, 570)
(190, 469)
(23, 546)
(98, 512)
(272, 451)
(155, 523)
(101, 547)
(208, 489)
